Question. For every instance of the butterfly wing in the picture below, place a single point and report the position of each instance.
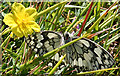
(44, 42)
(86, 55)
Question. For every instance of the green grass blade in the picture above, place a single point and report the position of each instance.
(71, 25)
(55, 67)
(58, 15)
(49, 9)
(113, 39)
(110, 29)
(107, 21)
(104, 36)
(100, 18)
(5, 41)
(50, 24)
(97, 71)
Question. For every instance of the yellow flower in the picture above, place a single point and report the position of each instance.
(22, 20)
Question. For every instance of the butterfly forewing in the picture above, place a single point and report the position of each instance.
(44, 42)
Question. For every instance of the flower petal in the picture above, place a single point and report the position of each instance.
(18, 8)
(17, 32)
(34, 26)
(26, 29)
(9, 20)
(31, 11)
(21, 20)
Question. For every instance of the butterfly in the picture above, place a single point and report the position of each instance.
(83, 55)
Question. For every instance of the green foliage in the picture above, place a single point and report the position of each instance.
(18, 59)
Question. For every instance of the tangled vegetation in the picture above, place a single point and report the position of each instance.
(98, 21)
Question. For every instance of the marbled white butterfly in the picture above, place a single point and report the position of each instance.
(83, 55)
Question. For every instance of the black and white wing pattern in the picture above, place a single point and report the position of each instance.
(44, 42)
(83, 55)
(86, 55)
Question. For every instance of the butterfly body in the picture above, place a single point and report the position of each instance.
(84, 55)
